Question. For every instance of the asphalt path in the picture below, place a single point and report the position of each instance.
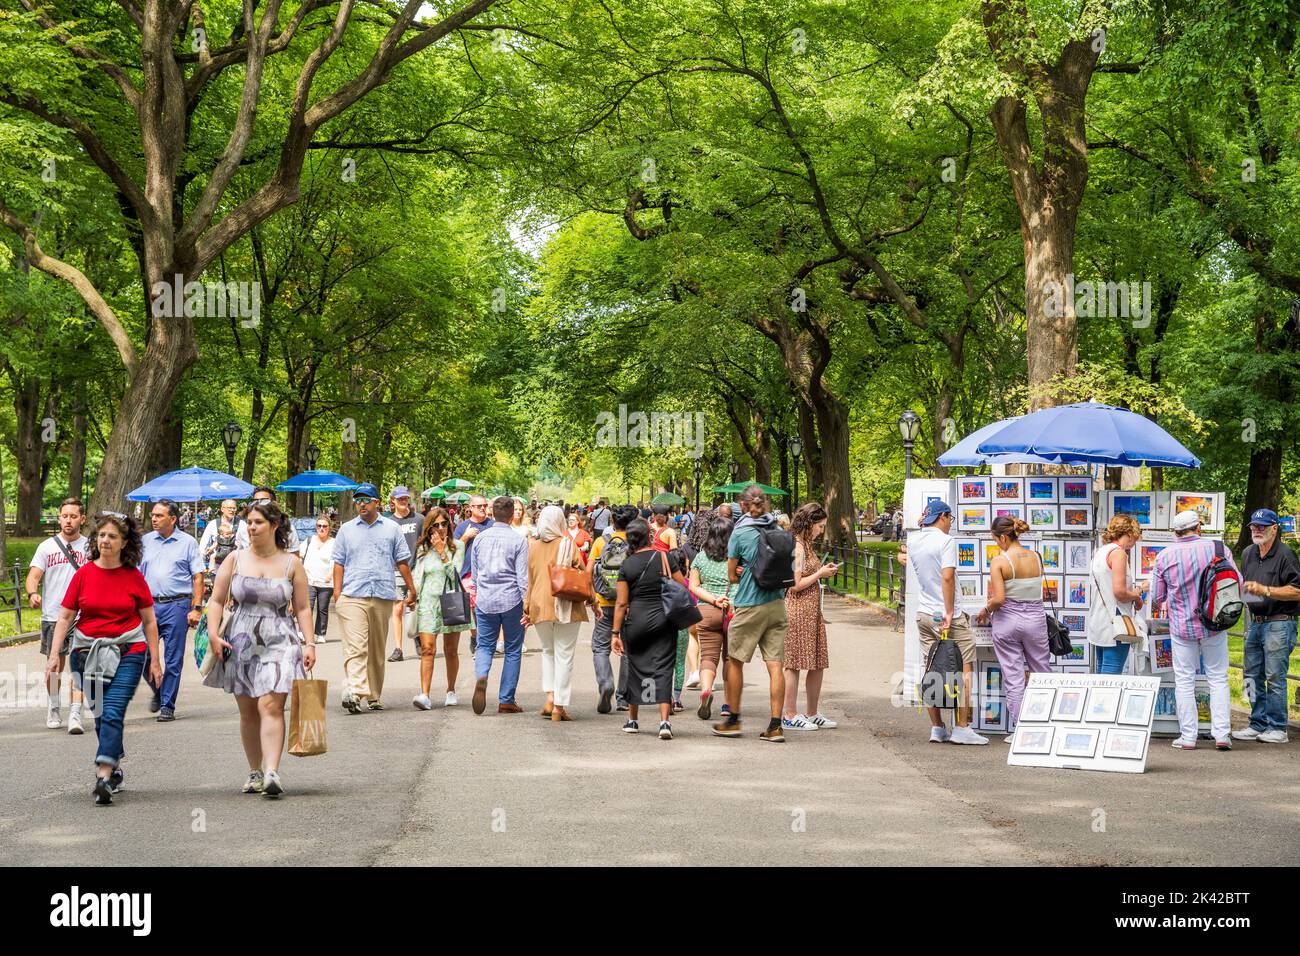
(445, 787)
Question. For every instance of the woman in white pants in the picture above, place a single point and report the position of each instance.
(556, 619)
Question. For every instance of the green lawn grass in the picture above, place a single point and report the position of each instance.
(20, 551)
(1235, 653)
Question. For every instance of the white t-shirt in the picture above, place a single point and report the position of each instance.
(930, 551)
(56, 572)
(318, 561)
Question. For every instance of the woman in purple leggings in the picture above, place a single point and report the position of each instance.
(1015, 604)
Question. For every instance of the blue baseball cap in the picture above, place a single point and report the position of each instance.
(365, 491)
(401, 491)
(934, 511)
(1264, 516)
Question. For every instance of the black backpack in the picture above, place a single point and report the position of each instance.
(773, 564)
(941, 683)
(604, 570)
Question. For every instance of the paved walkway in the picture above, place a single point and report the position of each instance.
(448, 788)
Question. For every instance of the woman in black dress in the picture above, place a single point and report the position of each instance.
(648, 639)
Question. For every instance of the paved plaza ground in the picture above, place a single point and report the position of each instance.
(448, 788)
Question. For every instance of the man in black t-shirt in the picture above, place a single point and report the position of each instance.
(1270, 574)
(411, 522)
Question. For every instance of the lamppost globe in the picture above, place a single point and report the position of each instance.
(909, 426)
(230, 436)
(796, 449)
(733, 468)
(313, 455)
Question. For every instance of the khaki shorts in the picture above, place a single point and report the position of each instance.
(760, 627)
(959, 631)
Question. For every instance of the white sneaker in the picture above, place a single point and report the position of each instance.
(1248, 733)
(1273, 737)
(1180, 744)
(74, 722)
(422, 702)
(964, 735)
(271, 786)
(450, 700)
(825, 723)
(52, 719)
(693, 680)
(1011, 735)
(797, 722)
(939, 735)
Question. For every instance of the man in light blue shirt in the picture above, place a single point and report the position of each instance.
(367, 551)
(172, 565)
(500, 569)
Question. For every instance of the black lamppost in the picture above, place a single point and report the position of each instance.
(909, 426)
(697, 485)
(313, 455)
(230, 436)
(796, 449)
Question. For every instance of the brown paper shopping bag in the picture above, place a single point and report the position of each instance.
(307, 718)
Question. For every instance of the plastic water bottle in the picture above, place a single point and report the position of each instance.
(938, 621)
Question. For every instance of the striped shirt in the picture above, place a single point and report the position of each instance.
(1177, 579)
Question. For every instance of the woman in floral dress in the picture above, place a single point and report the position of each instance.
(439, 560)
(262, 653)
(805, 640)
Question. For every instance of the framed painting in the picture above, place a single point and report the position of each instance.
(1078, 557)
(1141, 505)
(1162, 653)
(967, 557)
(1069, 704)
(1080, 653)
(1051, 553)
(1075, 490)
(1103, 705)
(1040, 491)
(1136, 707)
(1042, 517)
(1076, 517)
(1125, 744)
(1077, 742)
(1206, 504)
(1008, 490)
(988, 550)
(1036, 707)
(970, 587)
(972, 517)
(1052, 584)
(1078, 591)
(973, 490)
(993, 707)
(1147, 552)
(1074, 621)
(1033, 740)
(1012, 511)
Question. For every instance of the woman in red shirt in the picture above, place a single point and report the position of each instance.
(581, 539)
(113, 609)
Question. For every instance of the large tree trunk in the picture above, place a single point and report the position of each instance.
(77, 454)
(165, 455)
(1263, 487)
(812, 455)
(833, 427)
(145, 403)
(295, 453)
(31, 408)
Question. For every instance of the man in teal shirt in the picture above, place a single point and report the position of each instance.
(759, 621)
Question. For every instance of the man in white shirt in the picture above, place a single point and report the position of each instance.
(55, 562)
(933, 554)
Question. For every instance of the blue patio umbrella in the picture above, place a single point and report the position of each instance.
(192, 484)
(1089, 433)
(317, 480)
(964, 453)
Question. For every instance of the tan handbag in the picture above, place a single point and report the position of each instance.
(570, 584)
(307, 717)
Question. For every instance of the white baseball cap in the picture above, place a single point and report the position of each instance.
(1185, 521)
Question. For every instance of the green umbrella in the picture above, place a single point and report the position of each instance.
(667, 498)
(459, 498)
(435, 492)
(740, 486)
(456, 484)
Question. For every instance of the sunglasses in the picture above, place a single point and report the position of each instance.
(111, 514)
(440, 524)
(364, 500)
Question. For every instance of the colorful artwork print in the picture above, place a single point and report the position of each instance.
(991, 551)
(1166, 704)
(992, 706)
(1076, 490)
(1136, 708)
(1202, 706)
(1050, 552)
(1011, 511)
(1078, 517)
(1042, 518)
(1077, 742)
(1007, 489)
(969, 585)
(1203, 505)
(1033, 740)
(1075, 623)
(1069, 704)
(1162, 653)
(1051, 590)
(1037, 704)
(1041, 490)
(1125, 744)
(973, 518)
(966, 556)
(1103, 705)
(1078, 591)
(1147, 554)
(1078, 653)
(1078, 557)
(972, 490)
(1139, 506)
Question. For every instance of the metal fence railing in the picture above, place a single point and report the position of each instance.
(13, 599)
(873, 575)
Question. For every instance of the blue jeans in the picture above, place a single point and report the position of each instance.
(172, 631)
(108, 702)
(509, 625)
(1265, 660)
(1111, 660)
(602, 640)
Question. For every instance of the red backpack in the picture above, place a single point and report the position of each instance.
(1218, 602)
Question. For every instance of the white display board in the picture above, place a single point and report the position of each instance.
(1085, 722)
